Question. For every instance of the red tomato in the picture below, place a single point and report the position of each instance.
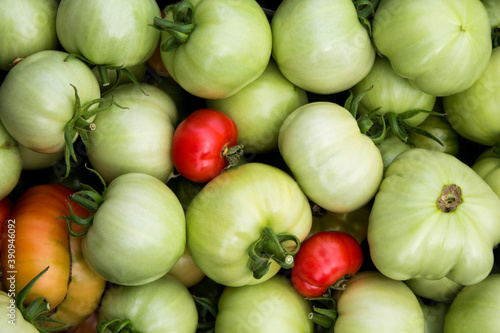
(204, 144)
(323, 259)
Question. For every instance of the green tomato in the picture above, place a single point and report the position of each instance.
(476, 308)
(114, 32)
(12, 319)
(433, 217)
(37, 99)
(487, 165)
(354, 223)
(271, 306)
(260, 108)
(473, 112)
(27, 26)
(135, 139)
(434, 315)
(372, 302)
(320, 45)
(336, 166)
(10, 162)
(138, 232)
(493, 8)
(441, 129)
(391, 147)
(231, 213)
(442, 47)
(392, 93)
(36, 161)
(442, 289)
(229, 47)
(164, 305)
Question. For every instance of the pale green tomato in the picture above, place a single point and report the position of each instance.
(230, 213)
(10, 162)
(441, 46)
(442, 289)
(487, 165)
(434, 315)
(113, 32)
(433, 217)
(441, 129)
(186, 271)
(229, 47)
(36, 161)
(138, 232)
(320, 45)
(372, 302)
(27, 26)
(392, 93)
(260, 108)
(391, 147)
(37, 99)
(12, 319)
(476, 308)
(272, 306)
(493, 8)
(336, 166)
(135, 139)
(473, 113)
(164, 305)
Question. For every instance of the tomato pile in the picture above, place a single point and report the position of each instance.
(250, 166)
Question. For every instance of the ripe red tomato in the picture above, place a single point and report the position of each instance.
(204, 144)
(322, 261)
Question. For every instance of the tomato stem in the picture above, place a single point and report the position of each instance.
(116, 326)
(232, 155)
(450, 198)
(179, 26)
(324, 311)
(37, 312)
(271, 246)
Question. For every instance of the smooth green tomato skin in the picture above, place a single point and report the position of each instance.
(391, 147)
(10, 162)
(27, 26)
(473, 113)
(164, 305)
(271, 306)
(412, 235)
(487, 165)
(113, 32)
(441, 46)
(320, 45)
(336, 166)
(138, 232)
(476, 308)
(493, 8)
(443, 289)
(135, 139)
(441, 129)
(229, 47)
(392, 93)
(260, 108)
(372, 302)
(37, 100)
(230, 213)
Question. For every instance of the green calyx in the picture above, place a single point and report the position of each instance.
(116, 326)
(103, 69)
(271, 246)
(366, 10)
(80, 125)
(232, 155)
(376, 125)
(38, 312)
(88, 198)
(179, 25)
(324, 311)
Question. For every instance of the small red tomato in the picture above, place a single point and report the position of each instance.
(204, 144)
(323, 259)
